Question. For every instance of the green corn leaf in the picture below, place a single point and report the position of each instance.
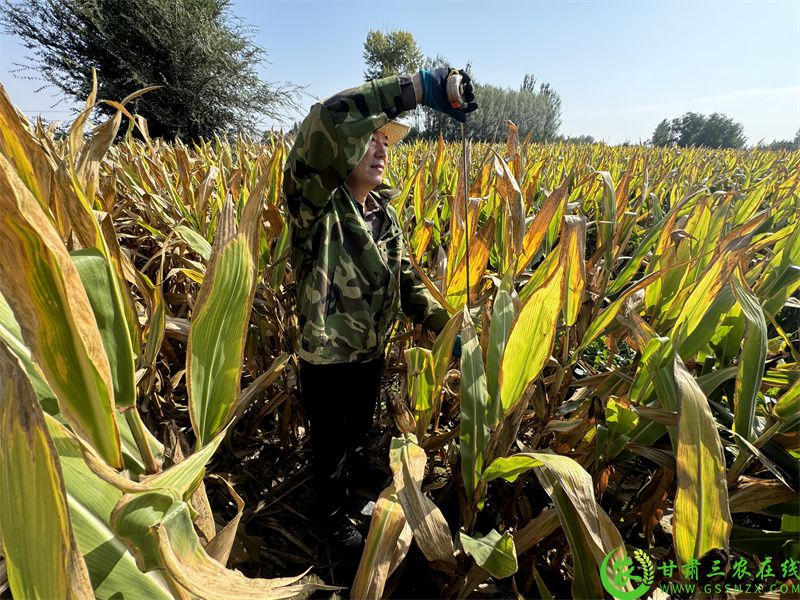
(196, 242)
(220, 319)
(608, 214)
(590, 532)
(543, 272)
(754, 354)
(97, 278)
(474, 403)
(502, 318)
(420, 386)
(788, 404)
(493, 552)
(620, 419)
(510, 467)
(111, 565)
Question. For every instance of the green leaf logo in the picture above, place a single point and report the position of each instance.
(622, 573)
(647, 566)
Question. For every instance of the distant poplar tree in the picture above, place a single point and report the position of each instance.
(391, 53)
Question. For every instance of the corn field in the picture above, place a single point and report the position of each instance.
(628, 389)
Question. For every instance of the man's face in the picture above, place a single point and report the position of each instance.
(369, 172)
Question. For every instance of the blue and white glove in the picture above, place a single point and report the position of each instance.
(434, 92)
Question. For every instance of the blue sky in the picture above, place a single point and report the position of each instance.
(620, 67)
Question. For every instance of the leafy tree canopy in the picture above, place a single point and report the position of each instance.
(201, 55)
(786, 144)
(391, 53)
(694, 129)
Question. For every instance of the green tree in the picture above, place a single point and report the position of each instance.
(786, 144)
(197, 50)
(719, 131)
(576, 139)
(694, 129)
(662, 136)
(535, 111)
(688, 126)
(390, 53)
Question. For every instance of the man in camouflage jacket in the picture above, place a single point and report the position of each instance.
(351, 269)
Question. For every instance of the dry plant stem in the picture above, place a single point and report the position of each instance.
(743, 458)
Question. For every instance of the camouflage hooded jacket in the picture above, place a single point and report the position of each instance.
(350, 287)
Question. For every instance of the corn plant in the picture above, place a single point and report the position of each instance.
(91, 506)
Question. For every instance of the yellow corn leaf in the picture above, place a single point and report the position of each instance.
(753, 495)
(530, 341)
(551, 210)
(220, 547)
(421, 238)
(574, 231)
(702, 519)
(388, 540)
(514, 208)
(407, 461)
(692, 305)
(76, 136)
(159, 526)
(39, 281)
(41, 556)
(19, 147)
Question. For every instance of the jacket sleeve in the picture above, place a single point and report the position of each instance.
(416, 301)
(333, 138)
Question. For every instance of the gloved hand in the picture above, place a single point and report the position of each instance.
(434, 92)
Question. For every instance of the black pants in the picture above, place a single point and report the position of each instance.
(339, 401)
